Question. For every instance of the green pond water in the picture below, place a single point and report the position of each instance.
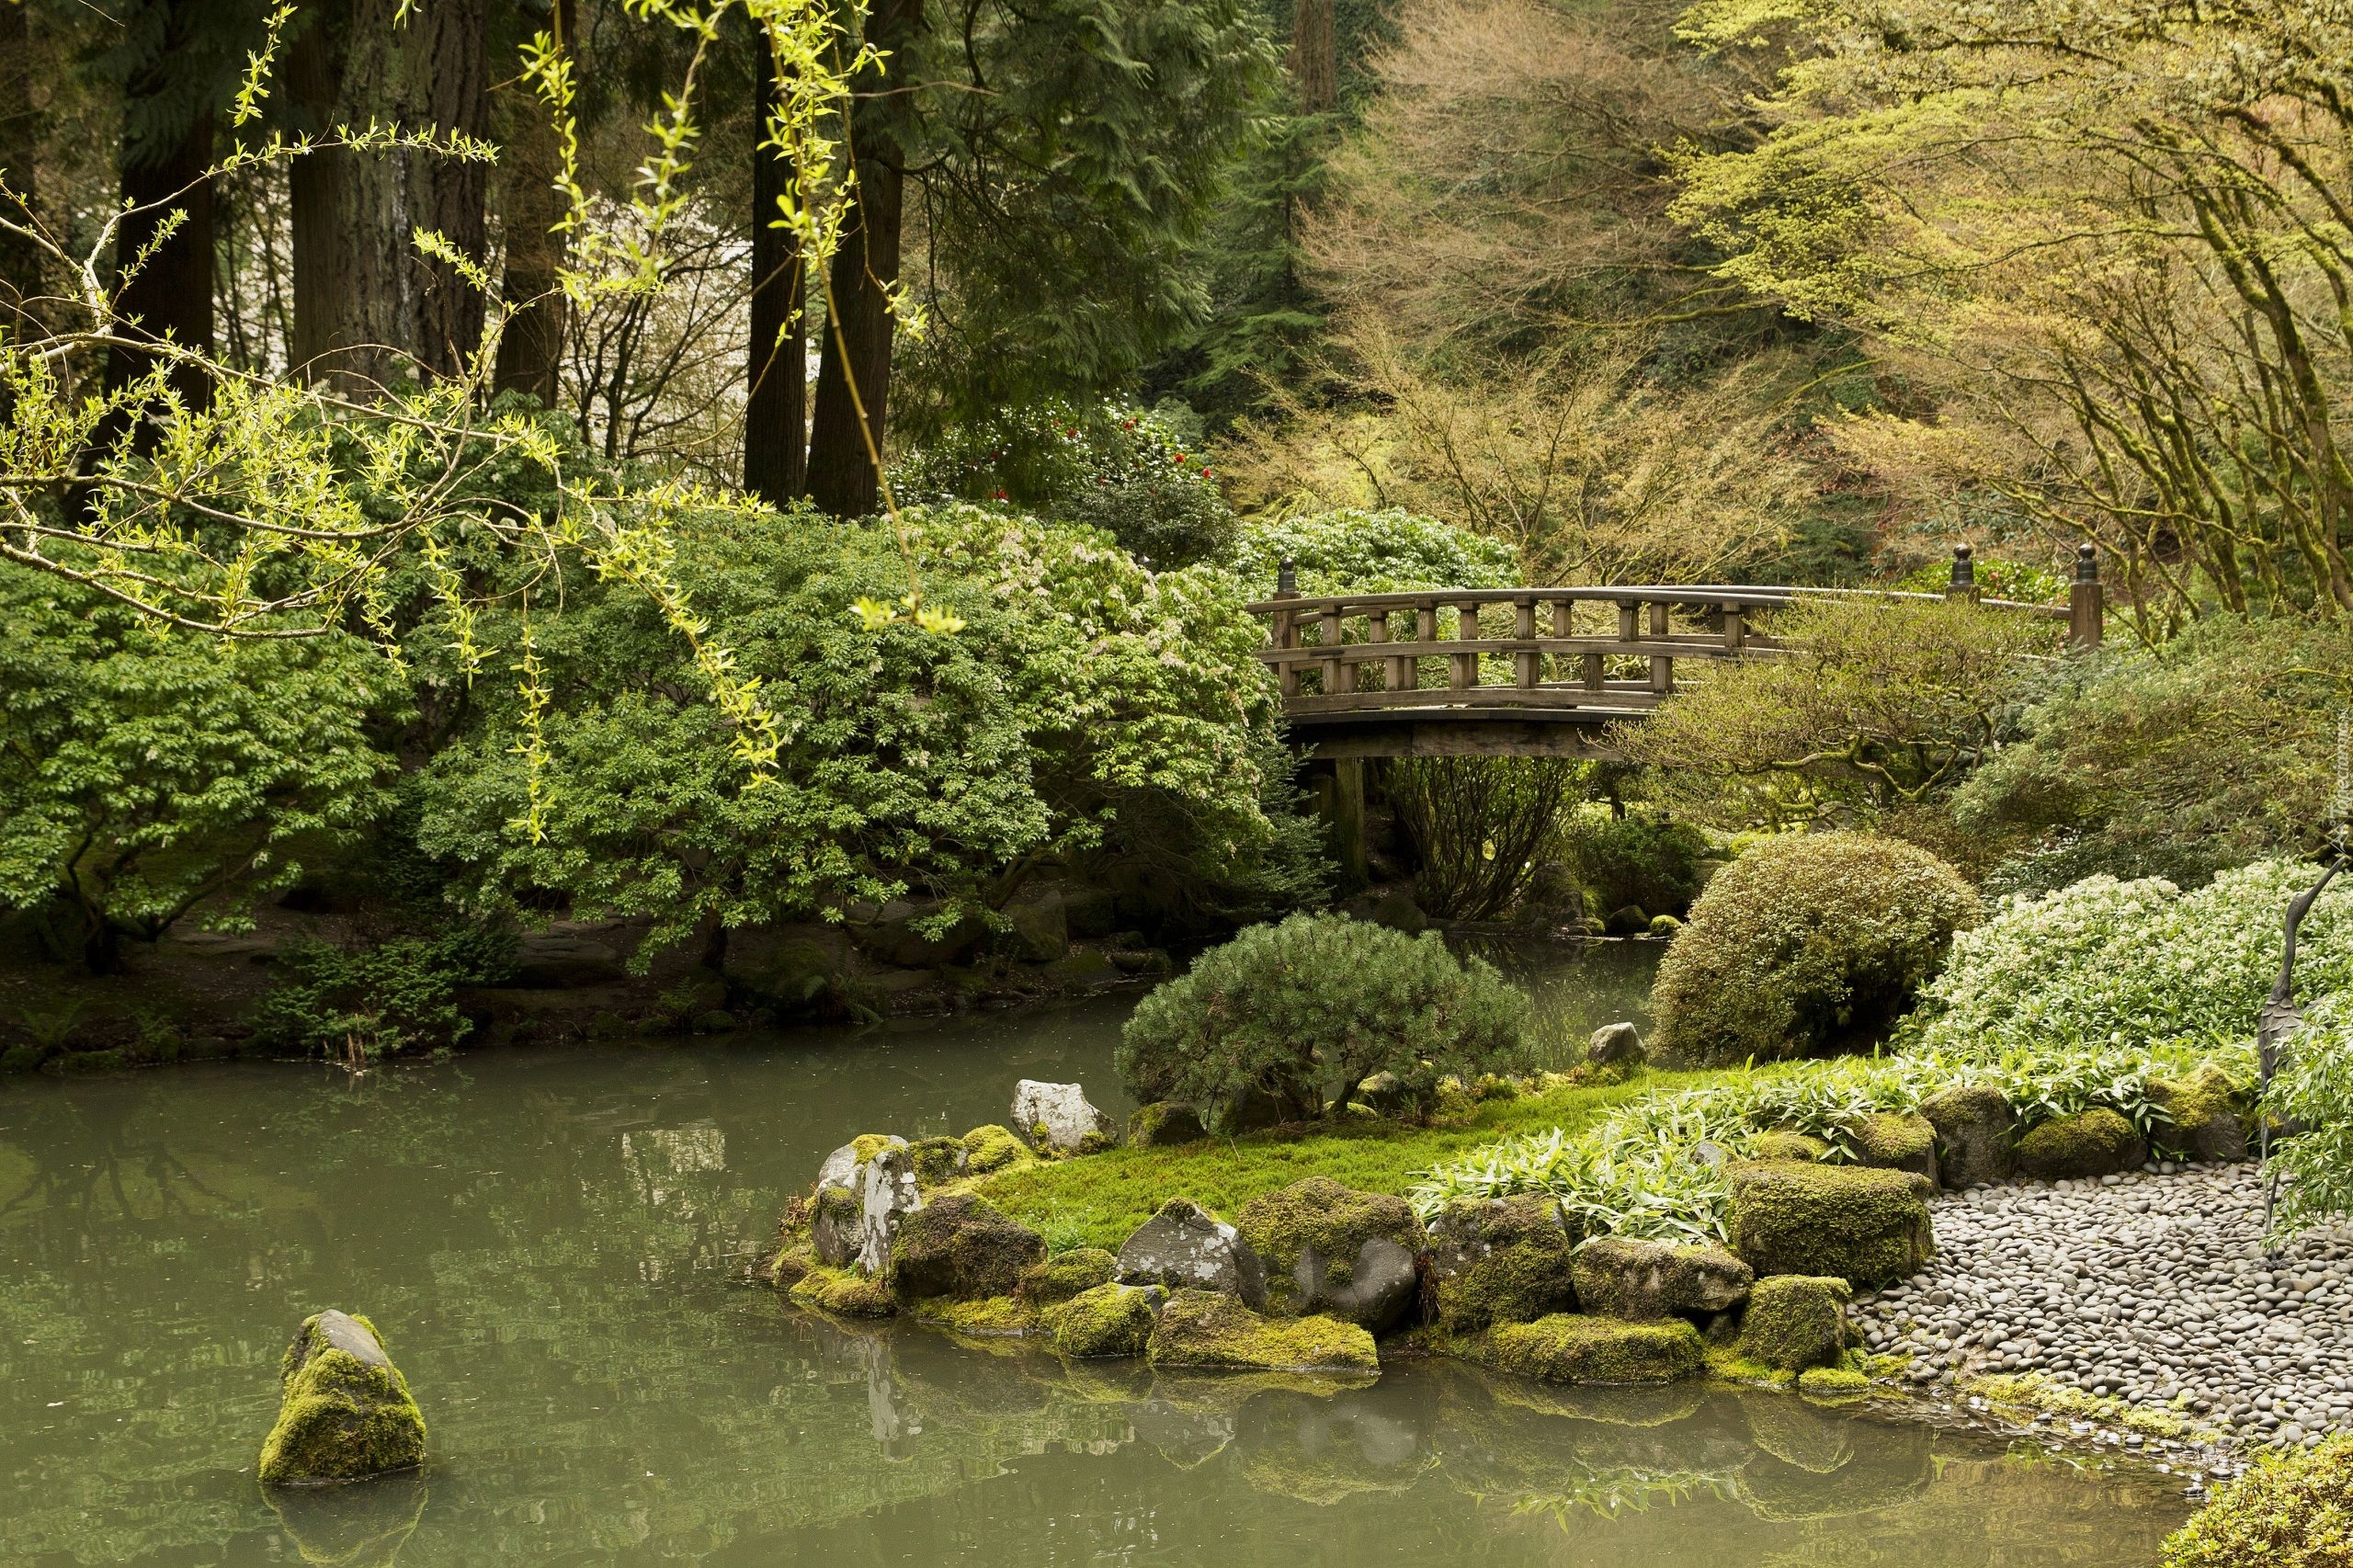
(553, 1242)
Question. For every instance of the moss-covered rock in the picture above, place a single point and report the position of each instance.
(1897, 1141)
(344, 1411)
(1185, 1247)
(1976, 1133)
(1788, 1144)
(994, 1148)
(2204, 1108)
(1838, 1384)
(1164, 1123)
(1501, 1260)
(1795, 1321)
(1330, 1249)
(961, 1247)
(1867, 1227)
(1067, 1274)
(2292, 1510)
(2096, 1143)
(938, 1161)
(1568, 1349)
(1108, 1319)
(845, 1292)
(1618, 1276)
(1208, 1328)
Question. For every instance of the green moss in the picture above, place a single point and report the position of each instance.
(1206, 1328)
(1334, 1220)
(1107, 1320)
(938, 1161)
(340, 1416)
(1099, 1201)
(1066, 1275)
(1164, 1123)
(1507, 1261)
(958, 1245)
(1867, 1227)
(1570, 1349)
(1732, 1366)
(2094, 1143)
(865, 1145)
(1622, 1277)
(1832, 1383)
(2205, 1110)
(1782, 1144)
(994, 1148)
(1900, 1140)
(2292, 1510)
(2028, 1391)
(1795, 1321)
(844, 1292)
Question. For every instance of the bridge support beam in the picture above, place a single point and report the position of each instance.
(1338, 786)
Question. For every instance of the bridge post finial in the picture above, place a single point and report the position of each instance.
(1287, 579)
(2086, 601)
(1964, 584)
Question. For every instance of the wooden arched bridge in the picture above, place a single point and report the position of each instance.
(1354, 667)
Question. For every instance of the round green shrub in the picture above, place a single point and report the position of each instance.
(1306, 1011)
(2292, 1511)
(1807, 946)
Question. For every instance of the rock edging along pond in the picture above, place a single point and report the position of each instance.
(1318, 1277)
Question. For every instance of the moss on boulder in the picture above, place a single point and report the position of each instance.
(1066, 1275)
(1208, 1328)
(1897, 1141)
(961, 1247)
(1637, 1280)
(1795, 1321)
(994, 1148)
(1163, 1124)
(2096, 1143)
(1107, 1320)
(1502, 1260)
(344, 1411)
(938, 1161)
(1788, 1144)
(1569, 1348)
(1865, 1226)
(2205, 1110)
(1976, 1131)
(1316, 1236)
(1837, 1383)
(845, 1292)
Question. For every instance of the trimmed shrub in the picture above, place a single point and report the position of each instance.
(2290, 1511)
(1306, 1011)
(1808, 947)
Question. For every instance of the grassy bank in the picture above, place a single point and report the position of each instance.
(1099, 1200)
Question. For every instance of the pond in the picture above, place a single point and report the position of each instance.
(553, 1242)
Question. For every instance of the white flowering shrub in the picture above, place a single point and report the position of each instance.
(2136, 966)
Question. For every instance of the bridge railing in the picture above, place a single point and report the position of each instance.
(1613, 648)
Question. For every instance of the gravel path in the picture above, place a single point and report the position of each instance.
(2144, 1288)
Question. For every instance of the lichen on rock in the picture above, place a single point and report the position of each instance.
(2094, 1142)
(1975, 1132)
(1897, 1141)
(2204, 1112)
(1637, 1280)
(1066, 1275)
(1330, 1249)
(1836, 1384)
(1567, 1347)
(938, 1161)
(344, 1411)
(1107, 1320)
(1861, 1225)
(1211, 1329)
(1796, 1322)
(1185, 1247)
(1501, 1260)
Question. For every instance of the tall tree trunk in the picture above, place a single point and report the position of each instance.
(409, 315)
(854, 372)
(776, 455)
(1314, 57)
(162, 173)
(322, 244)
(530, 352)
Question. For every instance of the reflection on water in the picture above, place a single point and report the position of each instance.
(548, 1241)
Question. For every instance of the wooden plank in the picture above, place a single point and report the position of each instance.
(1499, 697)
(1329, 640)
(1449, 737)
(1662, 665)
(1524, 626)
(1679, 647)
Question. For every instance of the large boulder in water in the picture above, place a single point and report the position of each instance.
(961, 1246)
(344, 1411)
(1059, 1116)
(1332, 1250)
(1501, 1260)
(1185, 1247)
(1211, 1329)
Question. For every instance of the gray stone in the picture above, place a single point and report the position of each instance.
(1387, 1093)
(893, 936)
(1975, 1128)
(1639, 1280)
(1185, 1247)
(1377, 1287)
(840, 1168)
(1631, 921)
(1613, 1043)
(341, 1331)
(562, 960)
(1059, 1117)
(789, 967)
(1041, 928)
(889, 1194)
